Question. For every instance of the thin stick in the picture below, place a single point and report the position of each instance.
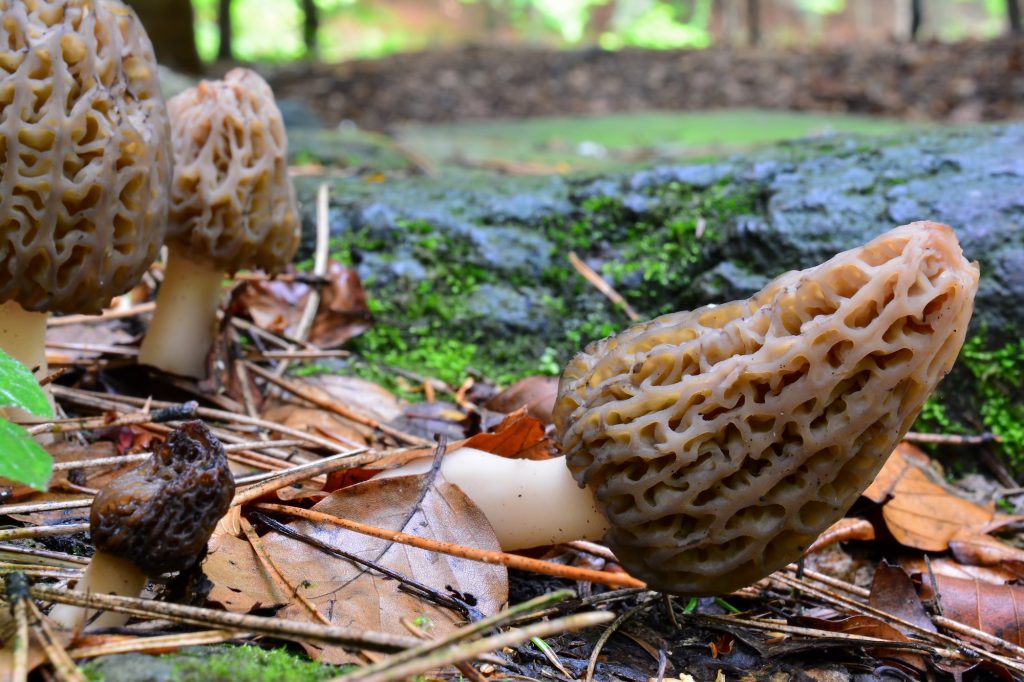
(336, 408)
(93, 348)
(471, 630)
(471, 553)
(43, 555)
(174, 413)
(952, 439)
(297, 355)
(466, 652)
(42, 531)
(260, 625)
(102, 402)
(603, 286)
(302, 472)
(17, 595)
(64, 668)
(110, 314)
(606, 635)
(157, 643)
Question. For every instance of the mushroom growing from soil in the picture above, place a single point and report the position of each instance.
(232, 207)
(154, 519)
(85, 163)
(715, 445)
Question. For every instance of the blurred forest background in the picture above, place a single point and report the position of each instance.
(189, 33)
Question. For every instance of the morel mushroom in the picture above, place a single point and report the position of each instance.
(719, 443)
(84, 162)
(232, 207)
(154, 519)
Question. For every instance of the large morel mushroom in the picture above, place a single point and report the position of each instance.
(85, 162)
(232, 207)
(709, 448)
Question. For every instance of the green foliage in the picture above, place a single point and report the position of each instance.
(999, 377)
(21, 458)
(237, 664)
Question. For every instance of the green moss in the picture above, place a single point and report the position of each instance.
(231, 664)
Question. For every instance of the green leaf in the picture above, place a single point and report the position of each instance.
(18, 388)
(21, 458)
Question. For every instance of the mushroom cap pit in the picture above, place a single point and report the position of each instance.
(720, 442)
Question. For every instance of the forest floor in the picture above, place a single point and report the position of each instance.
(305, 439)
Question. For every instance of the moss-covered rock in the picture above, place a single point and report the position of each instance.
(471, 270)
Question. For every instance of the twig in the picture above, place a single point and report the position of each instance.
(156, 643)
(110, 314)
(17, 595)
(64, 668)
(279, 579)
(93, 348)
(172, 413)
(42, 531)
(606, 635)
(285, 478)
(601, 285)
(471, 553)
(260, 625)
(471, 630)
(465, 652)
(333, 406)
(296, 355)
(952, 439)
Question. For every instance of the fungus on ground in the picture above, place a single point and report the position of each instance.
(85, 163)
(232, 207)
(716, 444)
(154, 519)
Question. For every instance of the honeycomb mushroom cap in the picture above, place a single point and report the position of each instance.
(720, 442)
(161, 514)
(233, 205)
(85, 161)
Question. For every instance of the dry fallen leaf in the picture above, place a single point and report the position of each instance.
(240, 583)
(536, 394)
(349, 595)
(978, 549)
(918, 511)
(843, 530)
(995, 609)
(997, 575)
(893, 591)
(277, 306)
(518, 436)
(869, 626)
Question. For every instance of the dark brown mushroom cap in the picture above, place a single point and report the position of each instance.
(720, 442)
(160, 515)
(85, 156)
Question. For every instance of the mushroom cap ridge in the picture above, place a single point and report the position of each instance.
(85, 160)
(720, 442)
(232, 201)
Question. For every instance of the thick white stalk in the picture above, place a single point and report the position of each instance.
(105, 574)
(23, 335)
(528, 502)
(184, 323)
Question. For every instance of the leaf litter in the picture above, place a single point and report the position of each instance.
(948, 604)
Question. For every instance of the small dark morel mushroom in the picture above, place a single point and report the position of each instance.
(718, 443)
(154, 519)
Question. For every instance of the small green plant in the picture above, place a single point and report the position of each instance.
(21, 458)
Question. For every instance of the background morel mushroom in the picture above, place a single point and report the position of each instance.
(719, 443)
(154, 519)
(233, 206)
(84, 162)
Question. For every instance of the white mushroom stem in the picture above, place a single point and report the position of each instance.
(23, 335)
(184, 323)
(105, 574)
(528, 502)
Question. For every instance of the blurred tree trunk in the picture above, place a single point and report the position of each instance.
(1013, 16)
(169, 24)
(310, 27)
(225, 49)
(916, 18)
(753, 23)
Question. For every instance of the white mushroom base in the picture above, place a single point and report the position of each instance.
(105, 574)
(528, 502)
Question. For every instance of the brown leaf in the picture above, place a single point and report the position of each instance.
(277, 306)
(240, 583)
(978, 549)
(536, 394)
(997, 575)
(352, 596)
(892, 591)
(518, 436)
(903, 456)
(869, 626)
(994, 609)
(843, 530)
(921, 513)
